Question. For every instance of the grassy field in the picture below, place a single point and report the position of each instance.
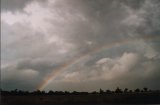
(90, 99)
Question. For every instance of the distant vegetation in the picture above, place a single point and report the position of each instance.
(116, 91)
(102, 97)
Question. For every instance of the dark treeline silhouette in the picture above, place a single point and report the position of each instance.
(102, 97)
(116, 91)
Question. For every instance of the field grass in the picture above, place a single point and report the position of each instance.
(90, 99)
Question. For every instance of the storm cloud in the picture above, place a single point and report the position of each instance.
(38, 37)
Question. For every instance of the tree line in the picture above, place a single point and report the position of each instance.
(116, 91)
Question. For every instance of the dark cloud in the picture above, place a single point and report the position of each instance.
(48, 34)
(135, 4)
(17, 83)
(19, 79)
(15, 5)
(41, 66)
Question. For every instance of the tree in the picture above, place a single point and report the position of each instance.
(37, 92)
(145, 89)
(75, 92)
(15, 92)
(137, 90)
(108, 91)
(67, 92)
(101, 91)
(50, 92)
(125, 90)
(94, 92)
(130, 91)
(118, 90)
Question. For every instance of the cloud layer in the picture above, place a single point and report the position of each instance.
(40, 36)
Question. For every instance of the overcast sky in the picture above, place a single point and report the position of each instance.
(81, 45)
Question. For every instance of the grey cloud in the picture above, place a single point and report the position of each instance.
(106, 25)
(74, 27)
(41, 66)
(15, 79)
(139, 74)
(24, 43)
(152, 17)
(135, 4)
(19, 74)
(15, 5)
(17, 83)
(106, 68)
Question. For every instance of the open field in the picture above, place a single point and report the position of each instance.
(90, 99)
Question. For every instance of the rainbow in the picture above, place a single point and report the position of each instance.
(82, 56)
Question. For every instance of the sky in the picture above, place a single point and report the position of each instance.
(80, 45)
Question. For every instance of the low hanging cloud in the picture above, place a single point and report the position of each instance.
(105, 69)
(19, 79)
(127, 70)
(112, 68)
